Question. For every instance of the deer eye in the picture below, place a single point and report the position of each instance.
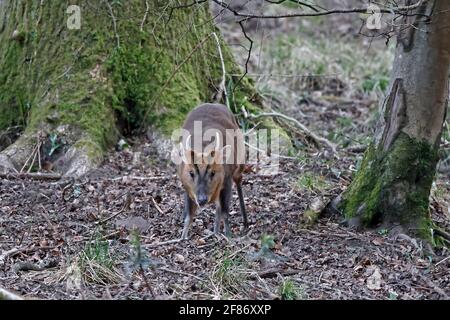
(212, 174)
(192, 174)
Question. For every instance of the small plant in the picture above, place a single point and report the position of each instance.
(54, 144)
(383, 232)
(139, 260)
(344, 121)
(96, 263)
(290, 291)
(312, 182)
(267, 242)
(393, 295)
(229, 273)
(98, 252)
(309, 218)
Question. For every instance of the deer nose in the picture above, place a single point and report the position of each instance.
(202, 199)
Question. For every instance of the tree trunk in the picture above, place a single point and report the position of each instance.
(392, 186)
(74, 91)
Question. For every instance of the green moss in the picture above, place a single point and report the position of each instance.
(86, 80)
(393, 186)
(151, 75)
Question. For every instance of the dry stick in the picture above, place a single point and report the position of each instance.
(141, 270)
(13, 251)
(396, 10)
(147, 8)
(33, 161)
(114, 23)
(6, 254)
(443, 260)
(264, 151)
(302, 127)
(156, 206)
(111, 217)
(182, 273)
(140, 178)
(163, 243)
(47, 219)
(223, 84)
(441, 233)
(238, 251)
(29, 158)
(270, 273)
(177, 68)
(434, 286)
(33, 175)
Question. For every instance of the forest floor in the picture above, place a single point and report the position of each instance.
(69, 240)
(114, 234)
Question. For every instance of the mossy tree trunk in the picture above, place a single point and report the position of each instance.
(392, 186)
(74, 90)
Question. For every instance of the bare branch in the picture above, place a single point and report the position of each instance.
(309, 133)
(364, 10)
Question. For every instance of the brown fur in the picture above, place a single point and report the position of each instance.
(197, 177)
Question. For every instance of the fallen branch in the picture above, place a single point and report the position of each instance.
(271, 273)
(182, 273)
(33, 175)
(156, 206)
(442, 234)
(8, 253)
(164, 243)
(317, 139)
(400, 10)
(140, 178)
(111, 216)
(223, 84)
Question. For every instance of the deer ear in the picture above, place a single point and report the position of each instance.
(188, 156)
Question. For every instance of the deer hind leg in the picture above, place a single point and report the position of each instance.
(237, 177)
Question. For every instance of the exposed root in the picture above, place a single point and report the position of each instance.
(18, 160)
(80, 162)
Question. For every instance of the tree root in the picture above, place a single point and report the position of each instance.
(15, 160)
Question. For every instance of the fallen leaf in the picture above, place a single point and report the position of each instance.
(179, 258)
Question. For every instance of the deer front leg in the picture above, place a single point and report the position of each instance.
(188, 214)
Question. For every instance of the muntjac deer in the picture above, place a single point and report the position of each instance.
(207, 169)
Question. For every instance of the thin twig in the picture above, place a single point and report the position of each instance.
(32, 175)
(223, 85)
(302, 127)
(182, 273)
(147, 8)
(163, 243)
(111, 217)
(114, 22)
(363, 10)
(142, 272)
(47, 219)
(443, 260)
(156, 206)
